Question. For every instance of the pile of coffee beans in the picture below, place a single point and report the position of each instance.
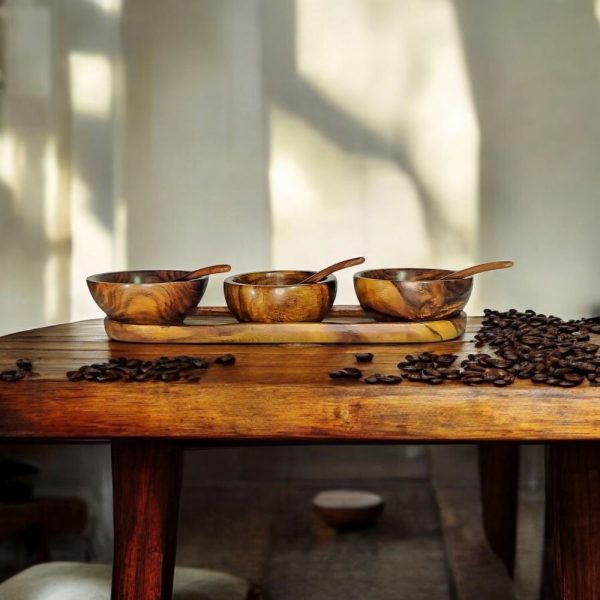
(483, 368)
(525, 345)
(166, 368)
(428, 367)
(544, 349)
(24, 369)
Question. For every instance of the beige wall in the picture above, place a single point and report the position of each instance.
(195, 155)
(534, 71)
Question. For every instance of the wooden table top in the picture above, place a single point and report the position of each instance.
(273, 393)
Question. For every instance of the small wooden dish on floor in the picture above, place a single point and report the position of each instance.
(343, 325)
(348, 508)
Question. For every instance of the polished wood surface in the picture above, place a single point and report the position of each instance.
(499, 479)
(146, 488)
(279, 297)
(338, 266)
(398, 293)
(342, 325)
(274, 392)
(151, 297)
(573, 521)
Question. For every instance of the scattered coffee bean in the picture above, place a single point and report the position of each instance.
(524, 345)
(352, 373)
(347, 373)
(364, 357)
(166, 368)
(390, 379)
(226, 359)
(25, 364)
(24, 369)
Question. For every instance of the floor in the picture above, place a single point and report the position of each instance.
(248, 511)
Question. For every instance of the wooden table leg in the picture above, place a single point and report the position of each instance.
(147, 483)
(499, 477)
(573, 520)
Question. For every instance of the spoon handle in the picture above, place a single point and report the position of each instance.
(344, 264)
(205, 271)
(482, 268)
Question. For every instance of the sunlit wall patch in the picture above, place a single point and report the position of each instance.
(91, 84)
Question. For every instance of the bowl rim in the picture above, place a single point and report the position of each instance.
(361, 275)
(230, 279)
(94, 278)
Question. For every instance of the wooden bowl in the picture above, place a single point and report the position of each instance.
(276, 297)
(394, 294)
(146, 297)
(348, 508)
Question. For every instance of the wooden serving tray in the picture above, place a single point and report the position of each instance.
(343, 325)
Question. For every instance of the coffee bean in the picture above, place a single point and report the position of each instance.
(144, 376)
(226, 359)
(390, 380)
(25, 364)
(105, 378)
(352, 373)
(364, 357)
(575, 378)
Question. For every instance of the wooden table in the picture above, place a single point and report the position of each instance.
(283, 394)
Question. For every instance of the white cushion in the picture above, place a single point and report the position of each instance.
(79, 581)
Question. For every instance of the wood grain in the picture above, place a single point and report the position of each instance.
(573, 521)
(273, 393)
(146, 296)
(397, 293)
(336, 328)
(499, 478)
(146, 488)
(279, 297)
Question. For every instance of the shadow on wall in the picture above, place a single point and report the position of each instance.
(297, 95)
(309, 76)
(536, 85)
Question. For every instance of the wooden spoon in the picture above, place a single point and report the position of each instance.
(204, 271)
(344, 264)
(482, 268)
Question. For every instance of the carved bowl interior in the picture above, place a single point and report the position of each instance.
(146, 297)
(278, 297)
(396, 294)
